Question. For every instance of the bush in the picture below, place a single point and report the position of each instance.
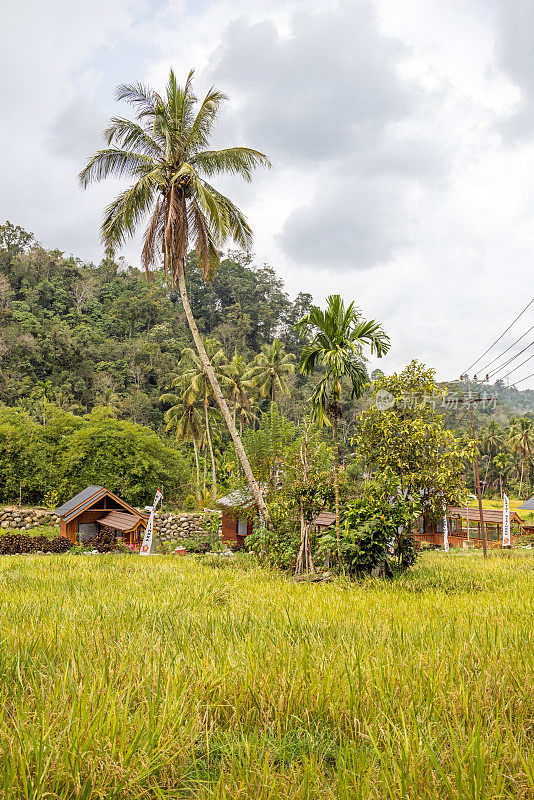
(17, 543)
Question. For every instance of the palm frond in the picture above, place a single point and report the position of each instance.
(125, 212)
(129, 135)
(114, 163)
(142, 97)
(198, 134)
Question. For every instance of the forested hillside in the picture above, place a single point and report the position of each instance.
(99, 380)
(85, 335)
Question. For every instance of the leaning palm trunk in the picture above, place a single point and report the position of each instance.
(221, 402)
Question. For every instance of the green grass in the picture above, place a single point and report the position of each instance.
(123, 677)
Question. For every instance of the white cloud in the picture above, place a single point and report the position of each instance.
(401, 134)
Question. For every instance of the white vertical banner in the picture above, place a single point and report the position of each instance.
(445, 532)
(505, 521)
(147, 539)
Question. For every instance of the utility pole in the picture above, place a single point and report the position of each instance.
(477, 476)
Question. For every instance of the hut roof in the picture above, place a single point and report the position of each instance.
(120, 521)
(240, 498)
(488, 514)
(325, 519)
(528, 505)
(86, 498)
(79, 499)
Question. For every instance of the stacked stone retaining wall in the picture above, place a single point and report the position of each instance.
(16, 517)
(181, 525)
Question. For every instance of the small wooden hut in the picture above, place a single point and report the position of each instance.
(464, 526)
(238, 509)
(94, 508)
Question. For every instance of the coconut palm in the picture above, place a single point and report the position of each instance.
(522, 442)
(339, 336)
(270, 370)
(195, 380)
(238, 389)
(166, 153)
(492, 442)
(185, 417)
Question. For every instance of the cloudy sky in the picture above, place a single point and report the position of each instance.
(402, 134)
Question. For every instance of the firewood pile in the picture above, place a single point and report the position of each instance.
(17, 543)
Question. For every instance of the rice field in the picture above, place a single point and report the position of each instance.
(196, 678)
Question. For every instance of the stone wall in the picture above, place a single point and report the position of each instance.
(181, 525)
(15, 517)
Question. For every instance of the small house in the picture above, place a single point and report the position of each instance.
(238, 509)
(463, 525)
(528, 526)
(95, 508)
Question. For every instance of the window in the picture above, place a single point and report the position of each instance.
(86, 531)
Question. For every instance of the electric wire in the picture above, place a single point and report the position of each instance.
(485, 369)
(510, 360)
(500, 337)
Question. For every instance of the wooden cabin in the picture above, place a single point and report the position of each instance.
(464, 527)
(94, 508)
(238, 510)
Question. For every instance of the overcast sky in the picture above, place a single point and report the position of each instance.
(402, 134)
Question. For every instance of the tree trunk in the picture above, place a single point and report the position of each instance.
(336, 485)
(221, 402)
(198, 468)
(210, 445)
(521, 481)
(304, 559)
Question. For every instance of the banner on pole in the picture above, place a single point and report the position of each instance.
(147, 539)
(505, 521)
(445, 533)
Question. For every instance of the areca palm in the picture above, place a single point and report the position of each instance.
(186, 418)
(270, 370)
(339, 336)
(166, 152)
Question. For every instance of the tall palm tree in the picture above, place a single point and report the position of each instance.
(195, 380)
(238, 388)
(522, 442)
(492, 441)
(166, 153)
(186, 418)
(270, 370)
(339, 336)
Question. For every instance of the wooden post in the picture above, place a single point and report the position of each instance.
(480, 509)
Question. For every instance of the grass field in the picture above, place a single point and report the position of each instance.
(178, 678)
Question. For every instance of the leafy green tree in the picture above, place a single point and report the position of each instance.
(522, 442)
(408, 440)
(166, 153)
(239, 389)
(339, 335)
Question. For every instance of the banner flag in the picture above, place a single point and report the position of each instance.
(147, 539)
(445, 533)
(505, 521)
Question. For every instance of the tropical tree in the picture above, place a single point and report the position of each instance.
(522, 442)
(491, 444)
(196, 383)
(238, 389)
(185, 417)
(166, 153)
(339, 335)
(270, 370)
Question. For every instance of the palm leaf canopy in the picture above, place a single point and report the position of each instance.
(339, 335)
(165, 151)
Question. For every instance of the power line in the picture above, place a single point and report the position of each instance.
(500, 337)
(524, 379)
(518, 367)
(513, 358)
(486, 368)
